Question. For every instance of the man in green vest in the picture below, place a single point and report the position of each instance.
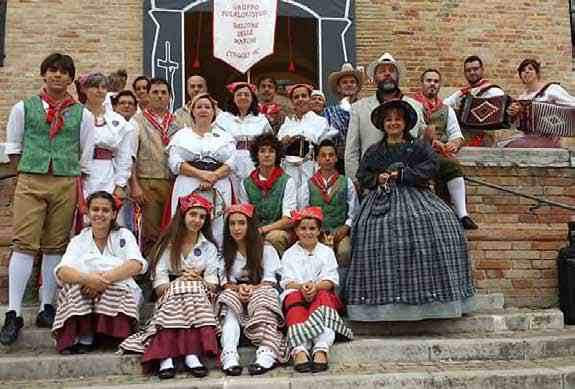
(447, 139)
(271, 191)
(335, 194)
(50, 141)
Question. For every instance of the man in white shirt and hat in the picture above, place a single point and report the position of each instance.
(361, 134)
(346, 83)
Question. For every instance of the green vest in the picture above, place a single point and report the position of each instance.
(269, 207)
(439, 119)
(334, 213)
(39, 151)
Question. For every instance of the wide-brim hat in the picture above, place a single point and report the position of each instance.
(384, 59)
(346, 70)
(409, 113)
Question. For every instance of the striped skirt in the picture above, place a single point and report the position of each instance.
(115, 315)
(183, 323)
(262, 318)
(306, 321)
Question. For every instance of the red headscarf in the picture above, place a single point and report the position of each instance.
(307, 213)
(235, 85)
(245, 209)
(194, 200)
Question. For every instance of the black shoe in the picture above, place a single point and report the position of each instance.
(257, 369)
(166, 374)
(84, 348)
(468, 223)
(11, 329)
(45, 319)
(318, 367)
(198, 372)
(304, 367)
(69, 351)
(233, 371)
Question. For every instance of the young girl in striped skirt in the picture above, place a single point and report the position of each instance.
(184, 268)
(98, 295)
(249, 299)
(309, 276)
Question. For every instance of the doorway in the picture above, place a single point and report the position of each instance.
(301, 31)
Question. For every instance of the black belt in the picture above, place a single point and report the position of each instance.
(206, 165)
(299, 148)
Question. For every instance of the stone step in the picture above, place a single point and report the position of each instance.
(557, 373)
(507, 320)
(524, 346)
(484, 303)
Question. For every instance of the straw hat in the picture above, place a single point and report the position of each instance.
(346, 70)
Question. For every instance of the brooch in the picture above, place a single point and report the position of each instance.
(115, 123)
(197, 252)
(122, 242)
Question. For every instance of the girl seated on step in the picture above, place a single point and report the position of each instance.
(98, 295)
(184, 267)
(309, 276)
(249, 299)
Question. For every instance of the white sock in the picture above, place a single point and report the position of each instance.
(193, 361)
(456, 188)
(49, 285)
(86, 340)
(166, 364)
(19, 272)
(265, 357)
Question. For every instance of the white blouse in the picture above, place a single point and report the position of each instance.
(115, 135)
(203, 257)
(554, 94)
(270, 263)
(214, 146)
(83, 255)
(299, 265)
(248, 127)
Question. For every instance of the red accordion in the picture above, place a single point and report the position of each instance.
(485, 113)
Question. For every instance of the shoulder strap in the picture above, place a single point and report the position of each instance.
(484, 90)
(542, 90)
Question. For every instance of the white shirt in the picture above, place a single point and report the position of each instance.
(454, 101)
(352, 199)
(203, 257)
(311, 126)
(249, 127)
(554, 94)
(270, 264)
(15, 134)
(453, 130)
(301, 266)
(289, 202)
(115, 135)
(186, 145)
(83, 255)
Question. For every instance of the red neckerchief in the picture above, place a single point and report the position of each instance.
(465, 91)
(318, 180)
(162, 127)
(55, 110)
(430, 106)
(266, 185)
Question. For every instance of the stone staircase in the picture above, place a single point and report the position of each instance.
(495, 347)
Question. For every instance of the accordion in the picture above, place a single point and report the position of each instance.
(485, 113)
(546, 119)
(300, 147)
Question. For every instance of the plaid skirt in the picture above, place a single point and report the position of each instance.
(185, 308)
(408, 247)
(262, 318)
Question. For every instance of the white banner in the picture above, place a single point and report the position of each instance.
(244, 31)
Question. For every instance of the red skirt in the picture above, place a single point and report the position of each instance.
(179, 342)
(116, 327)
(298, 310)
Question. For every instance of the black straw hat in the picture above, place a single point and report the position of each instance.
(409, 113)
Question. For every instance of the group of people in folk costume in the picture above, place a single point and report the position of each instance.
(247, 218)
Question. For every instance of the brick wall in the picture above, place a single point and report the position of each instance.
(107, 34)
